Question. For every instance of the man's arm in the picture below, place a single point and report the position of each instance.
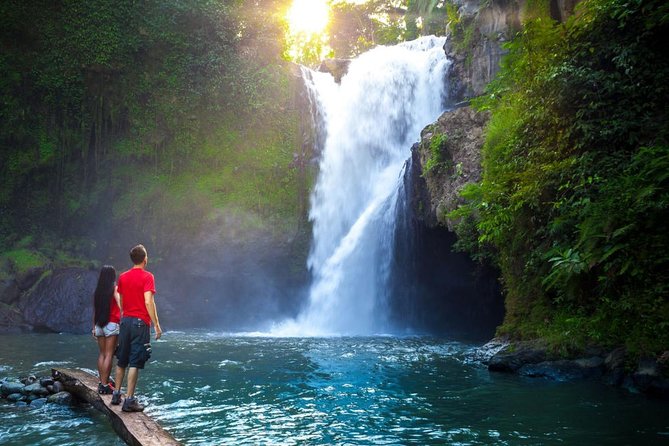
(150, 303)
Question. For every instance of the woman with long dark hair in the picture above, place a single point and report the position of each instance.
(106, 319)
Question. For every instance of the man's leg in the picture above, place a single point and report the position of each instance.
(116, 395)
(120, 375)
(133, 374)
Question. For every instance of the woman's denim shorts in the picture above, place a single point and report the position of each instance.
(111, 329)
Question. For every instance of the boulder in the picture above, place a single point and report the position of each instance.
(484, 353)
(15, 397)
(614, 364)
(62, 398)
(648, 378)
(10, 387)
(39, 402)
(516, 355)
(35, 389)
(57, 387)
(61, 301)
(27, 380)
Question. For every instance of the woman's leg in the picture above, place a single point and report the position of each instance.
(101, 356)
(108, 356)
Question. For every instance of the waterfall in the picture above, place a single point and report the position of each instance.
(369, 123)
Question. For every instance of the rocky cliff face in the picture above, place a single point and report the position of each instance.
(447, 158)
(475, 44)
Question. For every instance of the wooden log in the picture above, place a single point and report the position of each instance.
(135, 428)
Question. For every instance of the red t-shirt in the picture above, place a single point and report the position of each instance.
(131, 286)
(114, 311)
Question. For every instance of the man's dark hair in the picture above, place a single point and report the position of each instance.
(138, 254)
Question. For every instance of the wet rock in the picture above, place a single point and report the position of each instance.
(648, 378)
(14, 397)
(565, 370)
(57, 387)
(62, 398)
(28, 380)
(46, 382)
(21, 404)
(514, 356)
(35, 389)
(615, 359)
(39, 402)
(484, 353)
(10, 387)
(614, 365)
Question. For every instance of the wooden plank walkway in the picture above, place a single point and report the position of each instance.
(135, 428)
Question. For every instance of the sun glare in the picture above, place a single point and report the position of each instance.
(308, 16)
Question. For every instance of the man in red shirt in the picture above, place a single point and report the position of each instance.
(136, 288)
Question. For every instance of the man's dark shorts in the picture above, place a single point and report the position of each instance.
(134, 348)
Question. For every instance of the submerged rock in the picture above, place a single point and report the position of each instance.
(565, 370)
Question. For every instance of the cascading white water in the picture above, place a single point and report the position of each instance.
(370, 122)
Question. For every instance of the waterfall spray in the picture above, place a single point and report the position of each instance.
(370, 121)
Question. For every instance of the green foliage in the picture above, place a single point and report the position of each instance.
(110, 112)
(22, 260)
(575, 185)
(437, 147)
(462, 31)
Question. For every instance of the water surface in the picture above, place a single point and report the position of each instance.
(218, 389)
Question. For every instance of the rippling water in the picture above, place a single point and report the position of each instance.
(216, 389)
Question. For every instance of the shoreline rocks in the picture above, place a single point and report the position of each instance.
(533, 359)
(34, 392)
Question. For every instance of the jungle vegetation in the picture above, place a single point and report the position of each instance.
(155, 115)
(573, 202)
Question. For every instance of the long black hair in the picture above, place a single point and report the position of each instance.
(104, 292)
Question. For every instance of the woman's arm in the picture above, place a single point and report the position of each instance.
(118, 299)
